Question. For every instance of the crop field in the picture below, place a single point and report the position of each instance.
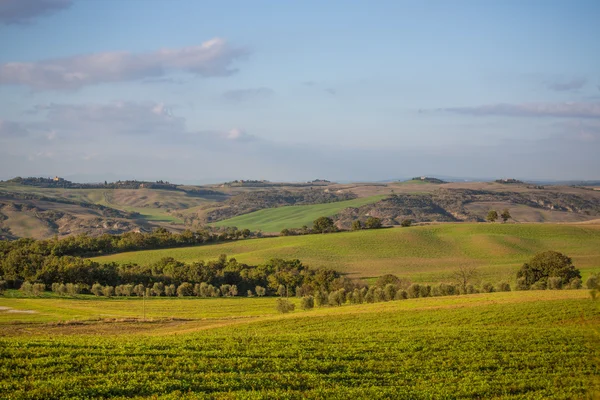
(534, 344)
(275, 219)
(423, 253)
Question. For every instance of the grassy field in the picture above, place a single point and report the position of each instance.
(423, 253)
(535, 344)
(275, 219)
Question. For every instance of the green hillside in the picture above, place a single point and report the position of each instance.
(275, 219)
(423, 253)
(530, 345)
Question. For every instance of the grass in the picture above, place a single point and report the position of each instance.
(422, 253)
(275, 219)
(538, 344)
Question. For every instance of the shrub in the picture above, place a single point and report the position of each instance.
(249, 293)
(3, 286)
(138, 289)
(321, 298)
(148, 292)
(554, 283)
(539, 285)
(185, 289)
(225, 289)
(522, 284)
(233, 290)
(38, 289)
(370, 295)
(504, 287)
(373, 223)
(389, 291)
(406, 223)
(471, 289)
(281, 291)
(108, 291)
(378, 295)
(575, 284)
(414, 291)
(285, 306)
(260, 291)
(26, 288)
(356, 225)
(593, 282)
(158, 288)
(170, 290)
(307, 302)
(487, 288)
(401, 295)
(97, 289)
(203, 290)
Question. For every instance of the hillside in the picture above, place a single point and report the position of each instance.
(533, 344)
(424, 253)
(275, 219)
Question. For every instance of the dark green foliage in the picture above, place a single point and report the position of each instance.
(406, 223)
(575, 284)
(492, 216)
(356, 225)
(505, 215)
(323, 225)
(414, 291)
(555, 283)
(548, 264)
(593, 282)
(285, 306)
(372, 223)
(185, 289)
(488, 288)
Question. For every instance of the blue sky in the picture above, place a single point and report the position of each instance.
(207, 91)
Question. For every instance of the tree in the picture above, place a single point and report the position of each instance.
(97, 289)
(282, 291)
(463, 276)
(138, 289)
(548, 264)
(492, 216)
(373, 223)
(260, 291)
(356, 225)
(284, 232)
(323, 225)
(185, 289)
(505, 215)
(406, 223)
(158, 289)
(108, 291)
(488, 288)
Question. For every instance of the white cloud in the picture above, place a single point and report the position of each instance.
(212, 58)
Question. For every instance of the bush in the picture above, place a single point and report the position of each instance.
(225, 289)
(370, 295)
(406, 223)
(108, 291)
(38, 289)
(522, 284)
(307, 302)
(555, 283)
(389, 291)
(356, 225)
(593, 282)
(97, 289)
(575, 284)
(185, 289)
(170, 290)
(372, 223)
(249, 293)
(158, 288)
(3, 286)
(471, 289)
(414, 291)
(281, 291)
(321, 298)
(379, 295)
(260, 291)
(487, 288)
(548, 264)
(504, 287)
(26, 288)
(539, 285)
(401, 295)
(285, 306)
(337, 298)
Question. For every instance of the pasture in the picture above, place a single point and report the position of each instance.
(275, 219)
(534, 344)
(423, 253)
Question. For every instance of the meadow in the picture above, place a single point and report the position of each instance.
(276, 219)
(532, 345)
(423, 253)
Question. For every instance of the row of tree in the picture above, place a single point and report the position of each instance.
(492, 215)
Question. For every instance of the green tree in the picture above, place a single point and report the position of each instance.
(505, 215)
(323, 225)
(307, 303)
(548, 264)
(260, 291)
(285, 306)
(373, 223)
(185, 289)
(158, 288)
(356, 225)
(97, 289)
(492, 216)
(406, 223)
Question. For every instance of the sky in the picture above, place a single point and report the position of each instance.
(195, 92)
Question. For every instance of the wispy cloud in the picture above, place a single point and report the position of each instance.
(24, 11)
(248, 94)
(212, 58)
(560, 110)
(561, 85)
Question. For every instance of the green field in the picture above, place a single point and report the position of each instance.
(275, 219)
(423, 253)
(532, 345)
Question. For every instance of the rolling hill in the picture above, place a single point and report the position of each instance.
(423, 253)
